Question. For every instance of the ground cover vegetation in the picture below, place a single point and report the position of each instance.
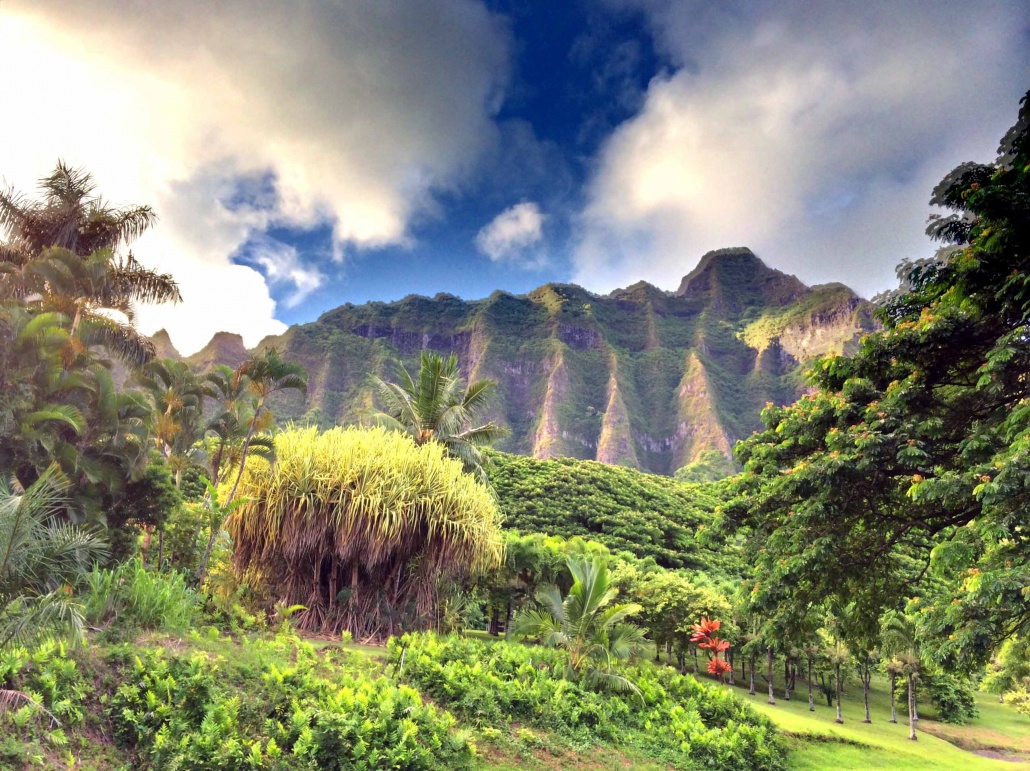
(862, 582)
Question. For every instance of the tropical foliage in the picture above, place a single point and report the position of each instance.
(358, 525)
(672, 717)
(585, 625)
(41, 559)
(627, 510)
(436, 406)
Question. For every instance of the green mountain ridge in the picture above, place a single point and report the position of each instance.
(639, 377)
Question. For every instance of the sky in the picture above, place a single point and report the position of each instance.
(305, 153)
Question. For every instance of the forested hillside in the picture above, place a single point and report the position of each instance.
(640, 378)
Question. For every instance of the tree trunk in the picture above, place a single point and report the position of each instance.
(915, 699)
(811, 696)
(751, 668)
(911, 707)
(215, 526)
(769, 668)
(865, 690)
(729, 657)
(160, 549)
(786, 679)
(840, 715)
(243, 456)
(894, 700)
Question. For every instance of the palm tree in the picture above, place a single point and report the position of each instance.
(40, 557)
(438, 408)
(178, 403)
(267, 374)
(586, 625)
(899, 644)
(228, 428)
(60, 255)
(69, 216)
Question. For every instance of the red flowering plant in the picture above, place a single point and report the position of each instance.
(706, 637)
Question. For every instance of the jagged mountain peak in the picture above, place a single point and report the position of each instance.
(639, 377)
(163, 346)
(736, 278)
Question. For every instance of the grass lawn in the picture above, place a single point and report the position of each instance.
(818, 742)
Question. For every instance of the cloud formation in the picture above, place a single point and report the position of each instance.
(357, 113)
(511, 235)
(813, 133)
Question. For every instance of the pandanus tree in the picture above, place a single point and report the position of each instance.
(360, 526)
(586, 625)
(436, 406)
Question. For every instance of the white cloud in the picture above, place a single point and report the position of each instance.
(813, 133)
(512, 233)
(358, 112)
(282, 265)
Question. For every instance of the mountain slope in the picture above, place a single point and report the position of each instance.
(639, 377)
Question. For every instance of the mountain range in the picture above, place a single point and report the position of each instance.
(639, 377)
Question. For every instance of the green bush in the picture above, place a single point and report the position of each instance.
(53, 692)
(140, 598)
(675, 719)
(183, 712)
(952, 697)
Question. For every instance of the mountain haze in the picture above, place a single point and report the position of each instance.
(640, 377)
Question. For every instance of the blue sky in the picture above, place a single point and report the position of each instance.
(306, 153)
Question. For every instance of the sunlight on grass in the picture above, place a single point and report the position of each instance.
(818, 742)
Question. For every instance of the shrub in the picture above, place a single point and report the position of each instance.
(140, 598)
(675, 718)
(952, 697)
(182, 712)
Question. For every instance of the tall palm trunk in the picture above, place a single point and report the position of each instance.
(769, 671)
(894, 701)
(811, 696)
(866, 675)
(786, 679)
(839, 688)
(911, 706)
(751, 668)
(246, 447)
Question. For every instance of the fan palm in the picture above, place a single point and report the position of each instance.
(436, 407)
(40, 556)
(586, 625)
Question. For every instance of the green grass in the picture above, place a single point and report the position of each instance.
(818, 742)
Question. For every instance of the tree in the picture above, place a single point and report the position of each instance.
(586, 625)
(901, 647)
(360, 526)
(41, 557)
(438, 408)
(266, 374)
(61, 254)
(909, 458)
(178, 397)
(69, 216)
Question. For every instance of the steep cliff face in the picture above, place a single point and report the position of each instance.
(640, 377)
